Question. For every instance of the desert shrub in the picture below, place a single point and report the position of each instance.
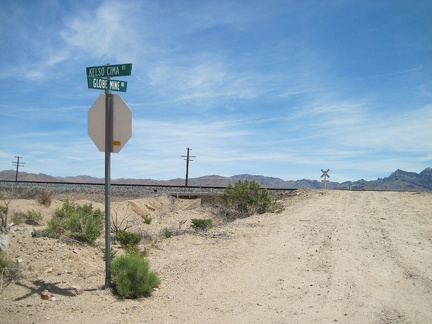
(18, 217)
(132, 278)
(275, 207)
(33, 217)
(246, 198)
(9, 271)
(4, 211)
(119, 225)
(81, 223)
(128, 238)
(44, 197)
(202, 224)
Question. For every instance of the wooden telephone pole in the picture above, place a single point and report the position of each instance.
(188, 158)
(17, 164)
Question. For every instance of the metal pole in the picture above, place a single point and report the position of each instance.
(108, 148)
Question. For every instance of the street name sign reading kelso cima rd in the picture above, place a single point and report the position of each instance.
(103, 125)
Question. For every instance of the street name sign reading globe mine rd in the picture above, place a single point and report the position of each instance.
(106, 84)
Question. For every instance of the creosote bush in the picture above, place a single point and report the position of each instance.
(81, 223)
(131, 276)
(246, 198)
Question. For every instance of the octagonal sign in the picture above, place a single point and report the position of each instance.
(122, 123)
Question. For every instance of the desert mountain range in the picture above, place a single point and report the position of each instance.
(398, 180)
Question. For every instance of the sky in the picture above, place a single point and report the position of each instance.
(280, 88)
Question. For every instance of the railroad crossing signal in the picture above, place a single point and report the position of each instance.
(325, 175)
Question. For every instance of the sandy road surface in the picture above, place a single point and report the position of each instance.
(330, 257)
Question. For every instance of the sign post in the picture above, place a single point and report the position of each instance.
(99, 77)
(325, 175)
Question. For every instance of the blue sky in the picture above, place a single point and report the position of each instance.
(273, 87)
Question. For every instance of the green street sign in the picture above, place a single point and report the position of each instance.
(109, 70)
(107, 84)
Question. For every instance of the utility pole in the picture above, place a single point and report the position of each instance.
(17, 164)
(188, 158)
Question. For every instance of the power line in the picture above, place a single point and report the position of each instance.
(17, 164)
(188, 158)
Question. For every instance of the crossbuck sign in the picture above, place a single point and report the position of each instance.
(325, 175)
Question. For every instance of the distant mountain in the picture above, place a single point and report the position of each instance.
(398, 180)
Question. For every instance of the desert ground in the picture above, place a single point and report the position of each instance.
(330, 257)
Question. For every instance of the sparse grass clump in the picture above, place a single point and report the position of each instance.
(202, 224)
(132, 278)
(9, 271)
(147, 219)
(81, 223)
(135, 250)
(167, 233)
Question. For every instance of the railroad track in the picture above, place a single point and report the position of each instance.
(126, 190)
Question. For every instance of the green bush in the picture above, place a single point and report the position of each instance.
(33, 217)
(132, 278)
(246, 198)
(128, 238)
(81, 223)
(202, 224)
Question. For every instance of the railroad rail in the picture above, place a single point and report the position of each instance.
(120, 190)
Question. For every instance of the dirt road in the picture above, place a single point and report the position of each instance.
(330, 257)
